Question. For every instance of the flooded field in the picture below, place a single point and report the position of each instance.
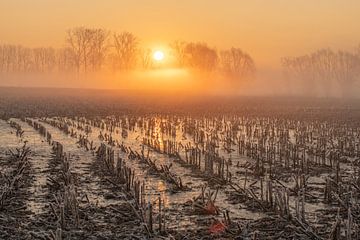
(180, 176)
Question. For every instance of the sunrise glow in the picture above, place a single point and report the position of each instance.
(158, 55)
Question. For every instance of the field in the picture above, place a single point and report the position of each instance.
(246, 169)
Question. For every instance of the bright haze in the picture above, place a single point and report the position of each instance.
(223, 47)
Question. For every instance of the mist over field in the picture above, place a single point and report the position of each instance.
(267, 83)
(97, 58)
(309, 50)
(15, 101)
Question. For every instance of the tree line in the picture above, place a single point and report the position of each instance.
(233, 61)
(325, 70)
(96, 49)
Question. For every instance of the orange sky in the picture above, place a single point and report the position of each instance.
(267, 29)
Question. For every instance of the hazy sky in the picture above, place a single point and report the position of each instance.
(267, 29)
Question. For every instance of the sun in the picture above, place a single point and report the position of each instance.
(158, 56)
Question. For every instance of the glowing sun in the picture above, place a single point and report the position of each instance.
(158, 56)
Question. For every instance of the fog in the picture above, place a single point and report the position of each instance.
(97, 58)
(171, 81)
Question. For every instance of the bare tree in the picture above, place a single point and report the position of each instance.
(43, 59)
(76, 44)
(324, 68)
(323, 62)
(347, 71)
(65, 60)
(89, 47)
(146, 58)
(100, 46)
(200, 56)
(19, 59)
(9, 58)
(300, 70)
(178, 49)
(236, 63)
(126, 51)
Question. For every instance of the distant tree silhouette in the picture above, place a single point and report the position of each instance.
(44, 59)
(322, 69)
(200, 56)
(95, 49)
(89, 47)
(15, 59)
(178, 50)
(236, 63)
(65, 60)
(347, 71)
(146, 58)
(126, 51)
